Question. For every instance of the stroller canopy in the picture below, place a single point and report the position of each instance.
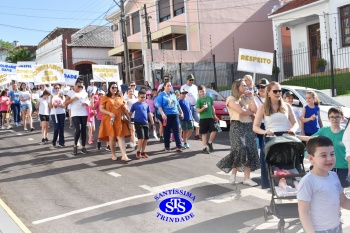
(284, 151)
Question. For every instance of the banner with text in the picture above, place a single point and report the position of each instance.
(70, 76)
(255, 61)
(105, 73)
(48, 73)
(8, 68)
(5, 79)
(24, 74)
(26, 64)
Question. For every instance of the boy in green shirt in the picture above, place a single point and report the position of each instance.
(205, 108)
(335, 133)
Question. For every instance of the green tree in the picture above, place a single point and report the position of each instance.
(21, 54)
(5, 44)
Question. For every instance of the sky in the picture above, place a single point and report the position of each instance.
(29, 21)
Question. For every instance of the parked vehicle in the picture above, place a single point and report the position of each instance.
(219, 104)
(326, 102)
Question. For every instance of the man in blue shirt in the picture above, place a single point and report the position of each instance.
(187, 120)
(142, 115)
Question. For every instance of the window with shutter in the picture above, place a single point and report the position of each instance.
(135, 22)
(164, 10)
(181, 43)
(127, 26)
(167, 45)
(178, 6)
(345, 24)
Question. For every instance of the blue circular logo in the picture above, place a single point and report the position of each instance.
(175, 206)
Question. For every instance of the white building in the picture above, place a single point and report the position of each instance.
(312, 23)
(3, 54)
(77, 49)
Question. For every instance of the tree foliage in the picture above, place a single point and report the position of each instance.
(21, 54)
(5, 44)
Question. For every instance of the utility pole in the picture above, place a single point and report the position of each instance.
(125, 40)
(149, 37)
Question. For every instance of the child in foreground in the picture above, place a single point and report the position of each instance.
(320, 194)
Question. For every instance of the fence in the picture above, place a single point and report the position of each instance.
(319, 67)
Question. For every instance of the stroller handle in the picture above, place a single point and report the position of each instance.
(280, 133)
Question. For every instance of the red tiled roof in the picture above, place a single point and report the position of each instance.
(292, 5)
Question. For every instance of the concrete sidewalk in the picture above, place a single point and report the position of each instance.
(9, 222)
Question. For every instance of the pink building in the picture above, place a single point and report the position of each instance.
(185, 31)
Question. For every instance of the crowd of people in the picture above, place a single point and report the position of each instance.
(257, 112)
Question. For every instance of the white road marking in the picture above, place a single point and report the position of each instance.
(19, 134)
(91, 164)
(70, 155)
(30, 139)
(92, 208)
(114, 174)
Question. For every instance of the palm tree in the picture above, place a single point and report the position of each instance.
(21, 54)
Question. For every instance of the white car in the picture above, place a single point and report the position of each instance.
(326, 102)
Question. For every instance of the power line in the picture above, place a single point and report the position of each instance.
(41, 17)
(40, 9)
(30, 29)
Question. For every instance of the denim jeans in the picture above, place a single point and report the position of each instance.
(264, 178)
(58, 128)
(173, 124)
(16, 109)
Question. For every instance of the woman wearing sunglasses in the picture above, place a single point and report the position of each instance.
(278, 116)
(58, 114)
(78, 98)
(112, 126)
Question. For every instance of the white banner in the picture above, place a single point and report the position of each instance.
(255, 61)
(105, 73)
(8, 68)
(24, 74)
(5, 79)
(48, 73)
(70, 77)
(26, 64)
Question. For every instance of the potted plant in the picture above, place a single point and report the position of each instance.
(321, 64)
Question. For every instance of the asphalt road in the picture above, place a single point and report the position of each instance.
(52, 191)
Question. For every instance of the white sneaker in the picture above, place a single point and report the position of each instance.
(232, 179)
(3, 127)
(250, 183)
(9, 127)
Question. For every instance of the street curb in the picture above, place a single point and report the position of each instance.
(14, 217)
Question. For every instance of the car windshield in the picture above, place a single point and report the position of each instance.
(214, 95)
(324, 98)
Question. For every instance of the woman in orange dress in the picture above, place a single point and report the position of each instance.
(112, 127)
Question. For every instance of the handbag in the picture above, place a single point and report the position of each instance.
(125, 119)
(125, 129)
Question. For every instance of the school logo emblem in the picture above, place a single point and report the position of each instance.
(175, 205)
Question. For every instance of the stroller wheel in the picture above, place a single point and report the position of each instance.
(266, 213)
(281, 224)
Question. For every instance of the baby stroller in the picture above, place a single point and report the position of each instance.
(284, 159)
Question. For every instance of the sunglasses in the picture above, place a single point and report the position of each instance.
(57, 88)
(276, 91)
(132, 85)
(148, 95)
(80, 87)
(261, 87)
(191, 80)
(114, 88)
(166, 80)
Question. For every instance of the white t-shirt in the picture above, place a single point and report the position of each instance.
(136, 93)
(35, 96)
(57, 100)
(129, 103)
(192, 95)
(77, 107)
(40, 92)
(346, 140)
(259, 101)
(44, 106)
(91, 90)
(25, 94)
(324, 195)
(297, 113)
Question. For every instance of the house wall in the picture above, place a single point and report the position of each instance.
(50, 52)
(3, 55)
(95, 55)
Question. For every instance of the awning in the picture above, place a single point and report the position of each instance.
(168, 33)
(119, 51)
